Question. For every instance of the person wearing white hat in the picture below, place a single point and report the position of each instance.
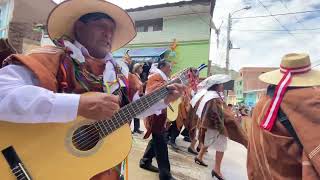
(45, 84)
(216, 120)
(284, 137)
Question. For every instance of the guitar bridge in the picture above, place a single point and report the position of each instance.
(15, 164)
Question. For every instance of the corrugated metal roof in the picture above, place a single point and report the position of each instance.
(141, 52)
(180, 3)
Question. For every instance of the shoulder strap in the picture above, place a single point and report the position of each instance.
(282, 117)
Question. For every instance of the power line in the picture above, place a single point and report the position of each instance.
(285, 5)
(279, 32)
(275, 18)
(281, 14)
(313, 29)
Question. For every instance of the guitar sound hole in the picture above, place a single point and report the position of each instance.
(85, 138)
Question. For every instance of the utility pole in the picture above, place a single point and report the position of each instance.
(228, 43)
(212, 26)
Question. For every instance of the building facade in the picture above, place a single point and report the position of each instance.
(18, 19)
(248, 87)
(181, 28)
(238, 88)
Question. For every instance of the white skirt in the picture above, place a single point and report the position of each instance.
(217, 140)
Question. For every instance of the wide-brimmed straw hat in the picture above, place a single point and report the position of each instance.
(62, 18)
(214, 79)
(299, 65)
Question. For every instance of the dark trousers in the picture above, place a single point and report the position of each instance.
(185, 133)
(157, 148)
(173, 132)
(136, 124)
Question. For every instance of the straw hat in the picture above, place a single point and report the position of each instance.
(300, 67)
(62, 18)
(214, 79)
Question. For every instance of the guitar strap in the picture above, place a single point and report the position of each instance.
(282, 117)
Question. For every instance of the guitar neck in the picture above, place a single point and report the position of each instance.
(126, 113)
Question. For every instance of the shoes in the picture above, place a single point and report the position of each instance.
(191, 151)
(148, 167)
(187, 139)
(138, 131)
(214, 174)
(166, 177)
(201, 163)
(198, 149)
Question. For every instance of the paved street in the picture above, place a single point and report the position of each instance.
(182, 162)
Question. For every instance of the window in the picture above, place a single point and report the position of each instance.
(4, 18)
(149, 25)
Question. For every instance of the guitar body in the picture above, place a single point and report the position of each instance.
(172, 115)
(76, 150)
(46, 153)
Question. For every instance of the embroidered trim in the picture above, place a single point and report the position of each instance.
(314, 152)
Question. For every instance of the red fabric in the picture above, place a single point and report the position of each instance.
(273, 111)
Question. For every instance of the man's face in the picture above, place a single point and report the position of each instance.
(167, 69)
(220, 88)
(140, 70)
(96, 36)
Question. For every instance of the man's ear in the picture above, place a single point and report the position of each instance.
(78, 28)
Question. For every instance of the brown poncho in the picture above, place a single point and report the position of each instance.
(217, 116)
(275, 154)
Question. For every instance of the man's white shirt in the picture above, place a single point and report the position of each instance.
(23, 101)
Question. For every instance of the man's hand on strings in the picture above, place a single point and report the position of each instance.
(98, 106)
(175, 91)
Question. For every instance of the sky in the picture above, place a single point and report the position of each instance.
(266, 48)
(259, 48)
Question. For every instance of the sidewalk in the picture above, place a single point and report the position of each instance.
(182, 162)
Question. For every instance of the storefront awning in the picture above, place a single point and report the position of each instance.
(141, 54)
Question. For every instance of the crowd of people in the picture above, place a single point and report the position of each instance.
(203, 113)
(47, 85)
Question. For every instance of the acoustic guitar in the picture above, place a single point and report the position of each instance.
(76, 150)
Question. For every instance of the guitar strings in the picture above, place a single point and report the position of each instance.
(94, 138)
(93, 128)
(112, 122)
(93, 141)
(112, 127)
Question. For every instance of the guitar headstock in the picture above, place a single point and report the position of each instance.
(190, 76)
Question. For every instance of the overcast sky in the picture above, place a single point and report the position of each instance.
(265, 48)
(260, 48)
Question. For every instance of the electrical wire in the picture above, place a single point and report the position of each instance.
(285, 5)
(281, 14)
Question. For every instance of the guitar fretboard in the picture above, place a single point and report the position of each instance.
(126, 113)
(15, 164)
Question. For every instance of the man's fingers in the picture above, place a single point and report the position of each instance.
(112, 98)
(113, 106)
(175, 86)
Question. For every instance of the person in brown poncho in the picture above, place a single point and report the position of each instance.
(216, 120)
(284, 139)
